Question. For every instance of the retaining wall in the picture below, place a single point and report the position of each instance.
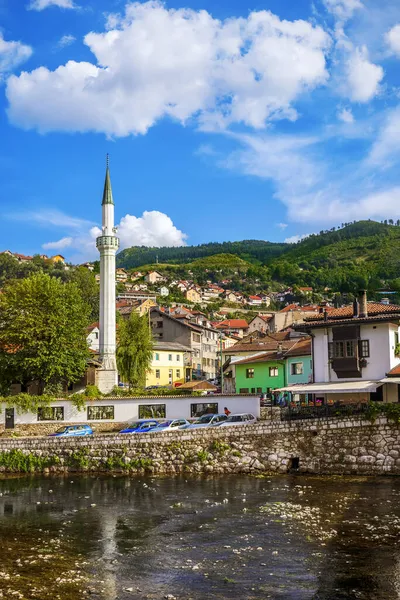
(332, 446)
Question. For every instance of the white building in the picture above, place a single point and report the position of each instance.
(355, 352)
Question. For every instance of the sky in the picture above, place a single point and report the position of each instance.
(223, 120)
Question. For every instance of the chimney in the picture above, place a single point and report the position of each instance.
(356, 308)
(325, 315)
(363, 304)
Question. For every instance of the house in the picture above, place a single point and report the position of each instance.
(193, 295)
(153, 277)
(19, 257)
(202, 340)
(170, 366)
(355, 353)
(163, 291)
(230, 296)
(93, 333)
(306, 291)
(57, 258)
(266, 299)
(237, 326)
(266, 372)
(121, 275)
(254, 301)
(183, 286)
(88, 265)
(140, 306)
(260, 323)
(136, 275)
(291, 314)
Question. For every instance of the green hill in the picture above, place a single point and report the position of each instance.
(363, 253)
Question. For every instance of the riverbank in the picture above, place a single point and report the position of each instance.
(333, 446)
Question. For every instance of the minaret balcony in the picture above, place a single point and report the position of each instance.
(107, 241)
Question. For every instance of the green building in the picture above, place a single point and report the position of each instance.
(267, 371)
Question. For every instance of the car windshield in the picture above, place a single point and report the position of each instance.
(62, 430)
(234, 418)
(164, 424)
(204, 419)
(136, 425)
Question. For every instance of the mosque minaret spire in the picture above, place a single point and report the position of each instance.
(107, 244)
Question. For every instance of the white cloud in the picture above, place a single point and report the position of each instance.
(281, 225)
(363, 77)
(12, 54)
(153, 228)
(51, 218)
(154, 62)
(392, 38)
(346, 115)
(64, 242)
(386, 147)
(42, 4)
(294, 239)
(343, 9)
(66, 40)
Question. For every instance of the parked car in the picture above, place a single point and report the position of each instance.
(206, 421)
(240, 419)
(72, 431)
(170, 424)
(141, 426)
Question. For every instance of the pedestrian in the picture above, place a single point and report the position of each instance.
(227, 411)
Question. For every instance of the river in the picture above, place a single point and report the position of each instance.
(233, 537)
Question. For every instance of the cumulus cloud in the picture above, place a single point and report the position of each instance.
(66, 40)
(345, 115)
(294, 239)
(42, 4)
(153, 228)
(12, 54)
(363, 77)
(282, 225)
(153, 63)
(343, 9)
(392, 38)
(64, 242)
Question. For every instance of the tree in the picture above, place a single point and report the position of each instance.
(89, 288)
(135, 349)
(43, 325)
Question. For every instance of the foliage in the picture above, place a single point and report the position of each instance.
(19, 462)
(390, 410)
(42, 332)
(135, 349)
(203, 456)
(220, 447)
(89, 289)
(24, 403)
(92, 391)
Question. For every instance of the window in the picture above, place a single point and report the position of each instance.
(170, 376)
(157, 356)
(296, 368)
(160, 324)
(343, 349)
(50, 413)
(197, 410)
(157, 373)
(97, 413)
(178, 373)
(364, 348)
(196, 337)
(253, 390)
(178, 358)
(273, 372)
(96, 335)
(169, 356)
(249, 373)
(148, 411)
(243, 390)
(259, 390)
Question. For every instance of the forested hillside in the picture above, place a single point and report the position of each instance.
(363, 253)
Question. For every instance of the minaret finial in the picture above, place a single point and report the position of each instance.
(107, 193)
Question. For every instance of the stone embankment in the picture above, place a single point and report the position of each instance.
(331, 446)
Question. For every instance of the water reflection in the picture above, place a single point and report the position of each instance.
(230, 537)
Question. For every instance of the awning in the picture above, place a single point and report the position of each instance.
(333, 388)
(391, 380)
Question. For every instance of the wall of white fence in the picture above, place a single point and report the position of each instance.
(131, 409)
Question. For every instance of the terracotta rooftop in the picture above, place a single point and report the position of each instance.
(233, 324)
(395, 372)
(346, 312)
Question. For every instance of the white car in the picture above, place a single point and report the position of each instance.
(240, 419)
(170, 424)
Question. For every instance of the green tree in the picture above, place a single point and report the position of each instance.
(42, 332)
(135, 349)
(89, 288)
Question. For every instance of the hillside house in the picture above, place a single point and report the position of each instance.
(233, 326)
(254, 301)
(121, 276)
(355, 353)
(193, 295)
(154, 277)
(260, 323)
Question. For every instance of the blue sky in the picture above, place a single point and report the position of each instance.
(223, 120)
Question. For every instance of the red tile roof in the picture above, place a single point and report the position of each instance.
(233, 324)
(346, 312)
(395, 372)
(255, 298)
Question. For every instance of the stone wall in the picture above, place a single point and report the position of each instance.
(332, 446)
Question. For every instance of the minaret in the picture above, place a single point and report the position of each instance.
(107, 244)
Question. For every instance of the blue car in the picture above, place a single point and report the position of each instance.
(141, 426)
(73, 431)
(206, 421)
